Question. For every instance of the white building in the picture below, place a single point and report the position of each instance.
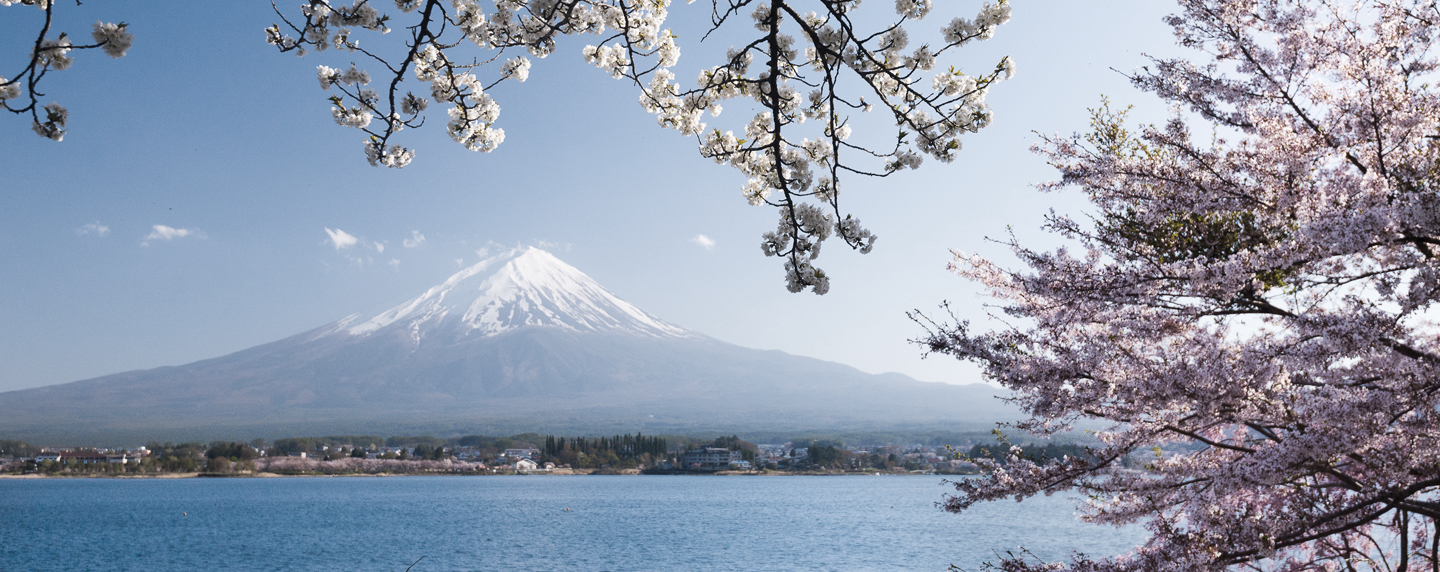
(709, 459)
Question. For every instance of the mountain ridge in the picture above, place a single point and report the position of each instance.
(490, 350)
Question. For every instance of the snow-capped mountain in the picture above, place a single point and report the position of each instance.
(518, 342)
(516, 288)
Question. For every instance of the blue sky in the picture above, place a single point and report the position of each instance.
(204, 127)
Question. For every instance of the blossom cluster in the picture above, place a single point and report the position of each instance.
(1249, 315)
(433, 49)
(113, 39)
(790, 72)
(790, 85)
(19, 94)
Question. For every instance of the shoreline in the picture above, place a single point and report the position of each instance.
(572, 472)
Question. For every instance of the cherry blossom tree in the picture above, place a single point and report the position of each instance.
(805, 67)
(1250, 311)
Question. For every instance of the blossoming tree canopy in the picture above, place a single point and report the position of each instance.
(784, 167)
(804, 67)
(1251, 311)
(51, 52)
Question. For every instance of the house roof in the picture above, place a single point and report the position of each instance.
(81, 455)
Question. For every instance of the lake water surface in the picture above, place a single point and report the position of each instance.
(616, 523)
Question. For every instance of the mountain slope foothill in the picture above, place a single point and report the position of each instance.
(518, 342)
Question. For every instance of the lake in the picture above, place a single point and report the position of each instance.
(614, 523)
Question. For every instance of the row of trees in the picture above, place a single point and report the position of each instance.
(311, 444)
(827, 456)
(425, 453)
(231, 451)
(148, 465)
(140, 467)
(831, 457)
(1031, 452)
(620, 451)
(163, 458)
(625, 446)
(11, 448)
(337, 447)
(175, 457)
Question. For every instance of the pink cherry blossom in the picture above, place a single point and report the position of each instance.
(1249, 307)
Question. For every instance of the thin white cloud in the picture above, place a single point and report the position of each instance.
(395, 263)
(416, 239)
(379, 247)
(490, 246)
(94, 228)
(341, 239)
(704, 241)
(163, 232)
(459, 262)
(554, 246)
(359, 260)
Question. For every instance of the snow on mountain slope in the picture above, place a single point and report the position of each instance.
(520, 287)
(519, 342)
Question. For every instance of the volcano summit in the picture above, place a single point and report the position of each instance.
(518, 342)
(518, 288)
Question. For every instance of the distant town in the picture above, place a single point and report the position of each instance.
(528, 453)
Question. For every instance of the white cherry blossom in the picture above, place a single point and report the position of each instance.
(807, 64)
(799, 173)
(53, 51)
